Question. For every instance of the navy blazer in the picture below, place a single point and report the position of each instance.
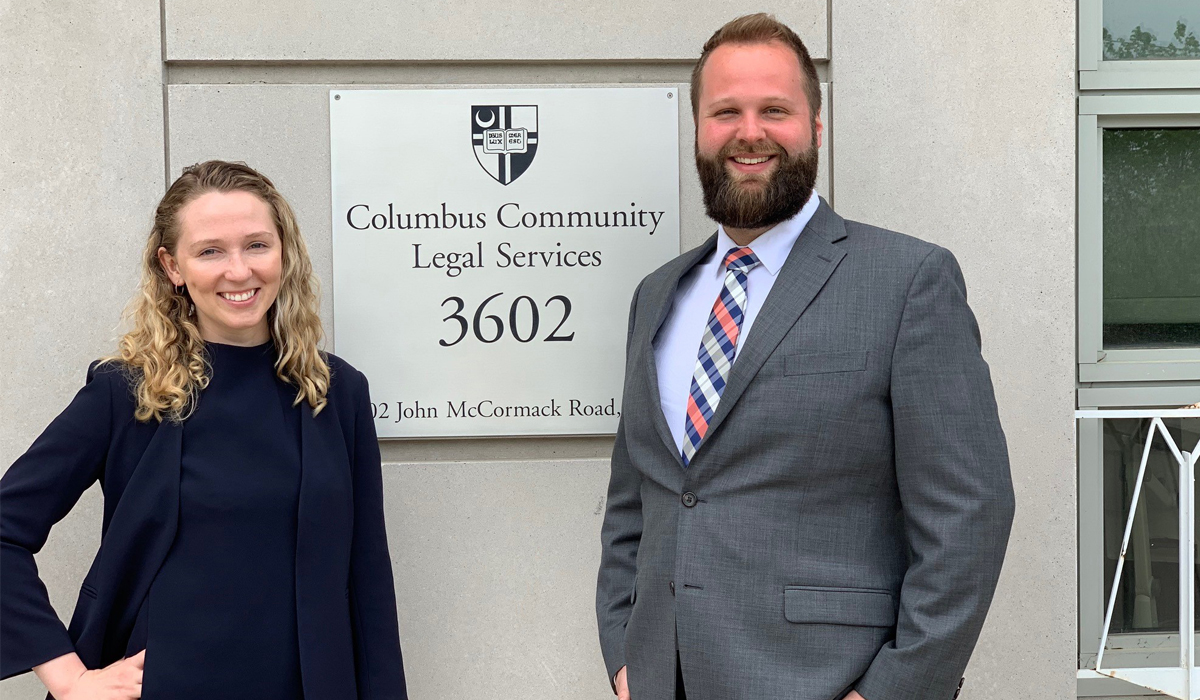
(345, 600)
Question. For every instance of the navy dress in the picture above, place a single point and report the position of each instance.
(220, 620)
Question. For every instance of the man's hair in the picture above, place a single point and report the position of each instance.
(760, 28)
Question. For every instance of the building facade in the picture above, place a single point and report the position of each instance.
(999, 130)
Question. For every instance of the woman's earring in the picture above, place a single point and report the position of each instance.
(179, 289)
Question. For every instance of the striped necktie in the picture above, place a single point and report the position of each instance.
(717, 349)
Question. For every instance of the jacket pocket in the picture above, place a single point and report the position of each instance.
(87, 590)
(863, 607)
(824, 363)
(633, 593)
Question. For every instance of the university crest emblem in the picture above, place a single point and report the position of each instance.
(505, 139)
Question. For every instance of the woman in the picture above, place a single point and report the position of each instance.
(243, 551)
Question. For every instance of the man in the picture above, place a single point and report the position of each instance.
(810, 496)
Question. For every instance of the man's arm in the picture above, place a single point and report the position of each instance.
(619, 537)
(955, 489)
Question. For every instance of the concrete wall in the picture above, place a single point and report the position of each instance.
(380, 30)
(952, 121)
(81, 168)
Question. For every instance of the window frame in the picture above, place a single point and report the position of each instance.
(1122, 647)
(1139, 93)
(1096, 113)
(1095, 73)
(1124, 650)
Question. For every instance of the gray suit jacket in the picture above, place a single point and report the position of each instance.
(843, 523)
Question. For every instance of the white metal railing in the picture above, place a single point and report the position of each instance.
(1180, 681)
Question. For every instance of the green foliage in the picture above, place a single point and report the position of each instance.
(1144, 44)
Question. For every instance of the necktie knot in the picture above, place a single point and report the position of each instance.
(741, 260)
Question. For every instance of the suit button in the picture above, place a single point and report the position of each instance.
(672, 588)
(689, 499)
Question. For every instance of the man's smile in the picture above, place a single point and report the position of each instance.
(751, 163)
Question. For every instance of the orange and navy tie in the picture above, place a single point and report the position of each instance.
(717, 349)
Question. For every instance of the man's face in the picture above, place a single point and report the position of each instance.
(756, 138)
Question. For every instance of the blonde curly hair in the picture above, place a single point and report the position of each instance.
(164, 350)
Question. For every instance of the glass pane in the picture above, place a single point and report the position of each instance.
(1148, 597)
(1153, 29)
(1151, 238)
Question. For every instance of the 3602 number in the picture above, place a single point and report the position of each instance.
(490, 328)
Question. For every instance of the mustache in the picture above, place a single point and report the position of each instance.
(746, 147)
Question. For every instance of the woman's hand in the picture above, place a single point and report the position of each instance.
(67, 679)
(121, 680)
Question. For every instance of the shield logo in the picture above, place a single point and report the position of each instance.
(505, 138)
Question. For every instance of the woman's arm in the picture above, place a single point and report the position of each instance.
(380, 669)
(68, 679)
(37, 491)
(58, 675)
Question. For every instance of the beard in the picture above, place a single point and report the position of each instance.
(758, 200)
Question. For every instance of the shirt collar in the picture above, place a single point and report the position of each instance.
(772, 246)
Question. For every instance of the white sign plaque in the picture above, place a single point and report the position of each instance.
(486, 244)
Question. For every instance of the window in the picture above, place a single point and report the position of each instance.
(1117, 468)
(1147, 44)
(1150, 224)
(1148, 597)
(1138, 289)
(1156, 30)
(1139, 238)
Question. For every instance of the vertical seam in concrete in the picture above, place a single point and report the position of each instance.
(829, 137)
(828, 97)
(162, 28)
(829, 36)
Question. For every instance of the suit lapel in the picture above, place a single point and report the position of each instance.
(660, 295)
(137, 541)
(810, 264)
(324, 532)
(308, 537)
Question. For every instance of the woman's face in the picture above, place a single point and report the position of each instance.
(231, 260)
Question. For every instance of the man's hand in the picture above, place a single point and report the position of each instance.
(622, 684)
(121, 680)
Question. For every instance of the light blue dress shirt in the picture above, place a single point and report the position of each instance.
(678, 342)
